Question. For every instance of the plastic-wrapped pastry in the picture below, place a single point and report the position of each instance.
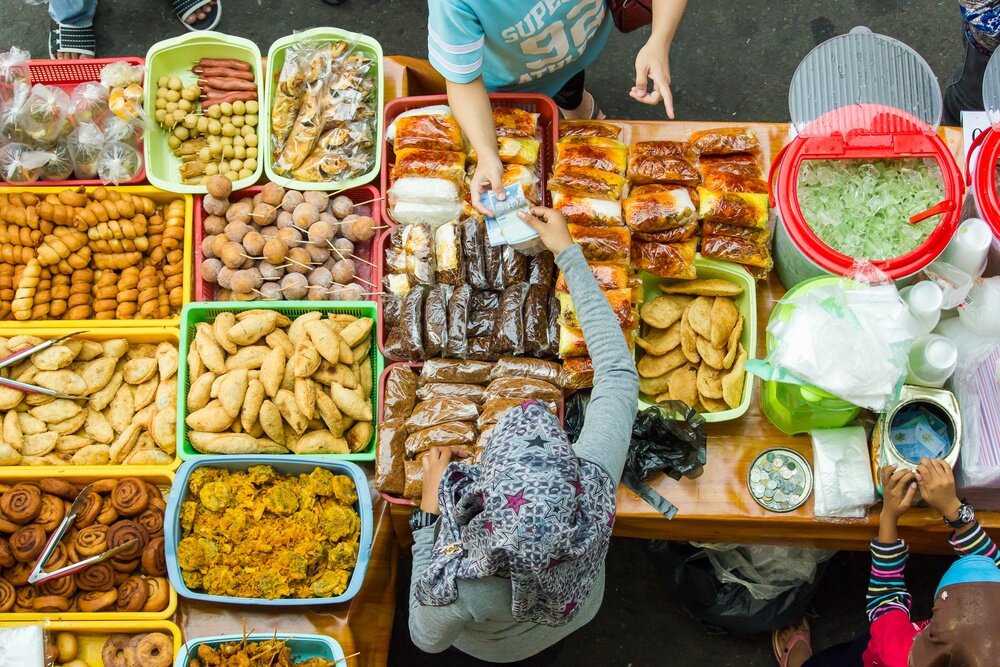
(494, 264)
(482, 348)
(752, 234)
(653, 169)
(414, 485)
(522, 388)
(405, 340)
(526, 367)
(518, 151)
(582, 182)
(453, 370)
(509, 335)
(400, 393)
(514, 122)
(726, 182)
(441, 411)
(587, 211)
(321, 166)
(432, 131)
(451, 434)
(570, 155)
(426, 190)
(514, 266)
(725, 140)
(746, 165)
(742, 209)
(588, 128)
(542, 270)
(474, 253)
(737, 250)
(596, 141)
(571, 343)
(620, 301)
(484, 301)
(603, 244)
(470, 392)
(390, 452)
(483, 319)
(436, 319)
(608, 276)
(681, 149)
(303, 135)
(536, 320)
(654, 208)
(674, 235)
(391, 307)
(449, 264)
(553, 342)
(396, 284)
(494, 410)
(418, 246)
(577, 373)
(458, 317)
(518, 173)
(422, 162)
(666, 260)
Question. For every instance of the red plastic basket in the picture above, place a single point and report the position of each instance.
(416, 366)
(548, 122)
(68, 74)
(205, 291)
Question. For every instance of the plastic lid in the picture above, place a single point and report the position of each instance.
(991, 93)
(854, 82)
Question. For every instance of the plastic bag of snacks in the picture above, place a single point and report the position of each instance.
(45, 113)
(90, 102)
(85, 145)
(14, 71)
(10, 113)
(60, 167)
(116, 129)
(121, 74)
(20, 164)
(118, 163)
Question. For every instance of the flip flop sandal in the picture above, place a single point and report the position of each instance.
(802, 636)
(72, 39)
(595, 111)
(185, 8)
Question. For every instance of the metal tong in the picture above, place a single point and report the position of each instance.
(40, 576)
(25, 353)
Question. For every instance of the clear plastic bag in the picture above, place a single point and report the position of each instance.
(121, 73)
(118, 163)
(20, 164)
(449, 370)
(85, 145)
(14, 71)
(90, 102)
(60, 166)
(390, 475)
(116, 129)
(45, 112)
(470, 392)
(954, 283)
(441, 411)
(844, 486)
(400, 390)
(11, 107)
(980, 310)
(766, 571)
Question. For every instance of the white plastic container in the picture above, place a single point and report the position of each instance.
(924, 301)
(931, 361)
(969, 248)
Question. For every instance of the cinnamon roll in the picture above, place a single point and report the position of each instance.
(18, 575)
(130, 497)
(91, 541)
(154, 560)
(92, 601)
(63, 587)
(6, 556)
(8, 596)
(125, 531)
(132, 595)
(99, 577)
(108, 513)
(28, 542)
(88, 513)
(59, 487)
(151, 519)
(21, 503)
(159, 594)
(52, 512)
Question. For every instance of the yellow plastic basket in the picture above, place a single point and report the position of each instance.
(90, 636)
(158, 196)
(163, 479)
(132, 335)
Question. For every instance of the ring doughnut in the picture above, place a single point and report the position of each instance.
(96, 600)
(159, 594)
(88, 513)
(153, 650)
(50, 603)
(132, 595)
(154, 559)
(21, 503)
(113, 653)
(91, 541)
(52, 512)
(27, 543)
(59, 487)
(130, 497)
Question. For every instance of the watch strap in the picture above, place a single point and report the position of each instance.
(966, 515)
(421, 519)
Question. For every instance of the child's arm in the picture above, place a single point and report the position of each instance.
(653, 59)
(887, 585)
(937, 487)
(471, 105)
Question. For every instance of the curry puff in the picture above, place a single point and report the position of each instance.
(742, 209)
(572, 155)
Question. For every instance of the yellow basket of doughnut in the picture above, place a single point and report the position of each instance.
(125, 418)
(94, 256)
(110, 644)
(123, 506)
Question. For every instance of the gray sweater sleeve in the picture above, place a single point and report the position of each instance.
(432, 629)
(607, 428)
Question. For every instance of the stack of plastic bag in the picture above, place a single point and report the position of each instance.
(843, 486)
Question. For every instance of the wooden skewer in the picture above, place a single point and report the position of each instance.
(306, 266)
(347, 657)
(363, 261)
(370, 201)
(362, 280)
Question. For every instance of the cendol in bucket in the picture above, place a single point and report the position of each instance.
(861, 208)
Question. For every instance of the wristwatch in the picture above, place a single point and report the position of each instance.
(421, 519)
(966, 515)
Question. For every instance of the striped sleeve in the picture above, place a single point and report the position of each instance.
(887, 585)
(455, 40)
(975, 542)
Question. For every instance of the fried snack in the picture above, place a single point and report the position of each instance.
(725, 141)
(252, 654)
(430, 131)
(587, 182)
(667, 260)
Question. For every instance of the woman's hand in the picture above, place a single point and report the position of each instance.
(653, 62)
(550, 226)
(488, 176)
(434, 462)
(937, 487)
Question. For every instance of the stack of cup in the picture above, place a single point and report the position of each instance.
(931, 361)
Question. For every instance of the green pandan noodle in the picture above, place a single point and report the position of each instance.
(862, 207)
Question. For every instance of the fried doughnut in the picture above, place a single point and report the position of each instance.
(52, 512)
(153, 650)
(62, 587)
(91, 541)
(88, 513)
(7, 596)
(113, 653)
(130, 497)
(21, 503)
(59, 487)
(92, 601)
(125, 531)
(6, 556)
(108, 513)
(154, 560)
(50, 603)
(96, 578)
(132, 595)
(159, 594)
(28, 542)
(151, 519)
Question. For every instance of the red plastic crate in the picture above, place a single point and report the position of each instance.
(67, 74)
(417, 366)
(548, 122)
(205, 291)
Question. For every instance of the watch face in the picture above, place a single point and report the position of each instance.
(966, 514)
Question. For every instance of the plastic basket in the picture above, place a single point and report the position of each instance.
(746, 303)
(303, 646)
(196, 313)
(276, 60)
(158, 196)
(68, 74)
(548, 123)
(176, 57)
(91, 635)
(285, 465)
(163, 479)
(148, 335)
(205, 291)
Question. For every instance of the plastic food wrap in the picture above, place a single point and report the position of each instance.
(451, 434)
(655, 208)
(20, 164)
(608, 277)
(390, 472)
(681, 149)
(652, 169)
(737, 250)
(441, 411)
(588, 128)
(542, 269)
(553, 338)
(587, 211)
(432, 131)
(60, 165)
(482, 348)
(754, 235)
(118, 163)
(116, 129)
(436, 319)
(407, 212)
(746, 165)
(494, 410)
(666, 260)
(582, 182)
(11, 107)
(45, 112)
(570, 155)
(726, 182)
(514, 122)
(474, 253)
(414, 485)
(120, 73)
(470, 392)
(571, 343)
(405, 340)
(400, 393)
(14, 70)
(514, 266)
(526, 367)
(620, 301)
(494, 265)
(536, 320)
(518, 173)
(418, 248)
(603, 244)
(456, 344)
(509, 335)
(453, 370)
(90, 102)
(577, 373)
(523, 389)
(449, 265)
(674, 235)
(733, 208)
(287, 99)
(724, 141)
(483, 320)
(424, 163)
(391, 306)
(599, 142)
(518, 151)
(485, 301)
(85, 145)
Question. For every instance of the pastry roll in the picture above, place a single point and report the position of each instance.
(608, 277)
(681, 149)
(514, 150)
(656, 169)
(741, 164)
(603, 244)
(725, 141)
(666, 260)
(456, 344)
(474, 253)
(448, 259)
(742, 209)
(431, 131)
(587, 211)
(303, 135)
(756, 235)
(425, 190)
(726, 182)
(654, 208)
(596, 141)
(588, 128)
(674, 235)
(446, 165)
(436, 319)
(583, 182)
(619, 299)
(570, 155)
(737, 250)
(513, 122)
(287, 100)
(536, 321)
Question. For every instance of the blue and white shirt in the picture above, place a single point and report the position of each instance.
(516, 45)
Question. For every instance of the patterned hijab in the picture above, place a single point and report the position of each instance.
(530, 511)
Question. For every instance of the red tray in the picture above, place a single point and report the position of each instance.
(205, 291)
(67, 74)
(416, 366)
(548, 122)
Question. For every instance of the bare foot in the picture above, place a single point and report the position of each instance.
(201, 14)
(799, 652)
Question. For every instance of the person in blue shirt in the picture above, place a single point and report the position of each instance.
(536, 46)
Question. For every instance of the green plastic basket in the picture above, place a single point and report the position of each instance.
(175, 57)
(276, 60)
(196, 313)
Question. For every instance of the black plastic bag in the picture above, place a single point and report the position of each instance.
(575, 411)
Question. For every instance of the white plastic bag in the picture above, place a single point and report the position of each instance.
(90, 102)
(118, 163)
(20, 164)
(45, 113)
(766, 571)
(843, 485)
(22, 646)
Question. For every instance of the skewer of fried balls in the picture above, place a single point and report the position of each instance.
(282, 244)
